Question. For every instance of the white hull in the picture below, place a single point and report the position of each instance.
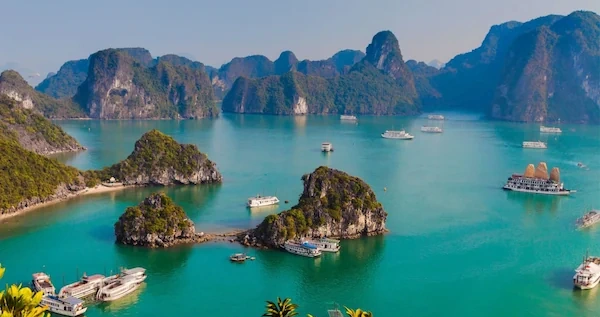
(67, 313)
(398, 138)
(299, 249)
(263, 203)
(589, 286)
(555, 193)
(120, 291)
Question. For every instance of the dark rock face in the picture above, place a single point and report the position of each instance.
(380, 84)
(552, 73)
(120, 87)
(333, 204)
(158, 159)
(155, 222)
(65, 82)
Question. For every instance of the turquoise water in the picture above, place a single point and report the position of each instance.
(458, 244)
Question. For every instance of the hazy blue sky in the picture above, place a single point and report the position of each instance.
(41, 35)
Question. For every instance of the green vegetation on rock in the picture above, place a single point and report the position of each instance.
(14, 86)
(333, 203)
(158, 159)
(369, 87)
(26, 176)
(64, 83)
(32, 130)
(156, 221)
(120, 87)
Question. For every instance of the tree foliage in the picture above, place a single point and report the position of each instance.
(18, 301)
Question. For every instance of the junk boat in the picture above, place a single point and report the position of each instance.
(544, 129)
(326, 245)
(127, 282)
(534, 145)
(587, 275)
(260, 201)
(435, 117)
(431, 129)
(41, 283)
(590, 218)
(88, 285)
(326, 147)
(348, 118)
(536, 180)
(305, 249)
(66, 306)
(401, 135)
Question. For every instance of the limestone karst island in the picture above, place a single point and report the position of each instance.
(354, 159)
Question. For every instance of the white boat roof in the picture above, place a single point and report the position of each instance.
(95, 277)
(262, 197)
(588, 267)
(135, 270)
(40, 275)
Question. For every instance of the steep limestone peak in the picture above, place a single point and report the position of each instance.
(384, 50)
(286, 62)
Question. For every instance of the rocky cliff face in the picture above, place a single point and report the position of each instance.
(65, 82)
(553, 73)
(380, 84)
(384, 53)
(155, 222)
(119, 87)
(158, 159)
(333, 204)
(16, 88)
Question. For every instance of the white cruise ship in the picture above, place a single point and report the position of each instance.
(326, 245)
(88, 285)
(431, 129)
(326, 147)
(536, 180)
(435, 117)
(66, 306)
(544, 129)
(590, 218)
(126, 283)
(534, 145)
(305, 249)
(260, 201)
(41, 283)
(401, 135)
(348, 118)
(587, 275)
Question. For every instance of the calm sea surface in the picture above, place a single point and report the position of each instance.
(458, 244)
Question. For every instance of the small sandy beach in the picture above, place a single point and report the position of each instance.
(99, 189)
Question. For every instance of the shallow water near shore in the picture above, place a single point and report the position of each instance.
(458, 244)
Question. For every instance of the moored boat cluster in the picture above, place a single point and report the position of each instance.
(70, 299)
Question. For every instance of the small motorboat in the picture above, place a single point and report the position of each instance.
(238, 257)
(590, 218)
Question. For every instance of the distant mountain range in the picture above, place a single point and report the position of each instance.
(546, 69)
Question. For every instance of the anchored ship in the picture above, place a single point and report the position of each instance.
(348, 118)
(590, 218)
(304, 248)
(125, 283)
(260, 201)
(401, 135)
(536, 180)
(66, 306)
(88, 285)
(326, 245)
(534, 145)
(435, 117)
(544, 129)
(587, 275)
(326, 147)
(431, 129)
(41, 283)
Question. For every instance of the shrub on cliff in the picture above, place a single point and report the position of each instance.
(333, 203)
(158, 159)
(156, 221)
